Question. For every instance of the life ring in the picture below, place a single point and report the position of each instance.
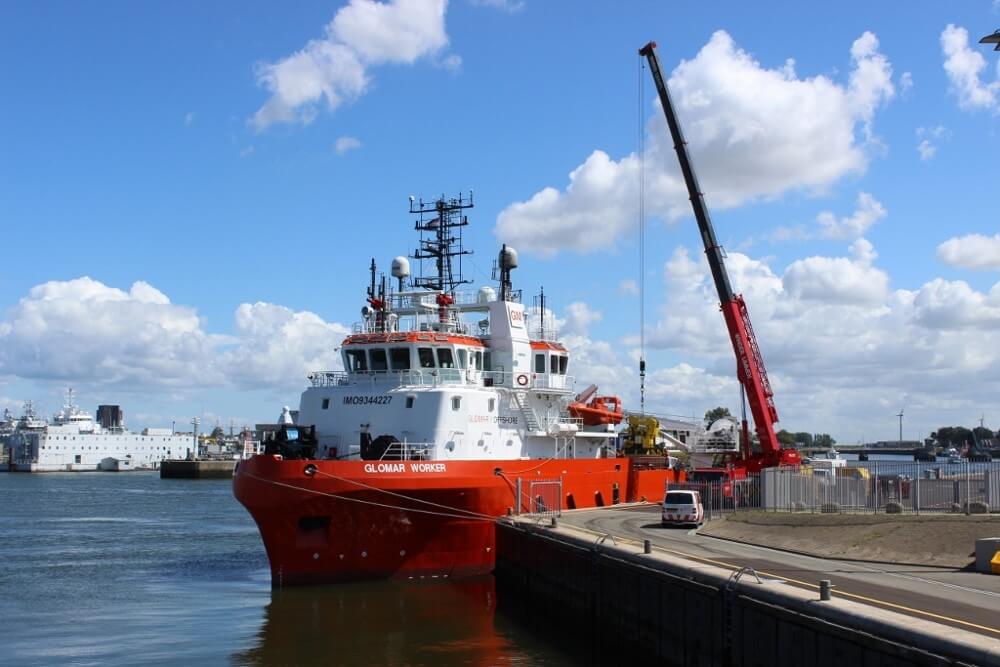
(522, 380)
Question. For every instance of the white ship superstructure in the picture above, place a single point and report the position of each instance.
(426, 379)
(75, 441)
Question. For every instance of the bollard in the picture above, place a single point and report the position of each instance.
(647, 547)
(824, 589)
(553, 522)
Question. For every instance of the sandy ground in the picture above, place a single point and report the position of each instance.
(946, 540)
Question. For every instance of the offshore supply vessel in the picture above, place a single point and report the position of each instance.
(453, 408)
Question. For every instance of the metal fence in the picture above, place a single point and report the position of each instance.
(542, 497)
(725, 496)
(872, 487)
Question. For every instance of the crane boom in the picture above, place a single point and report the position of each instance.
(750, 364)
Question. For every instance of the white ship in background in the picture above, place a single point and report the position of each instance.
(76, 441)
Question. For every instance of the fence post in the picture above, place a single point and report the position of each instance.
(968, 487)
(916, 492)
(877, 484)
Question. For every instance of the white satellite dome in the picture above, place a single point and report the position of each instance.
(400, 267)
(486, 295)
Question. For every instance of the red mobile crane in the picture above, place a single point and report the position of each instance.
(749, 363)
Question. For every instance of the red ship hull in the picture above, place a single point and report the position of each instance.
(333, 521)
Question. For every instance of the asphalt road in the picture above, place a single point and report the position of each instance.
(963, 599)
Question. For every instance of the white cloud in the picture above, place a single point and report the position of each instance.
(944, 304)
(510, 6)
(869, 211)
(85, 331)
(334, 68)
(685, 384)
(188, 118)
(345, 144)
(754, 133)
(628, 286)
(964, 68)
(277, 342)
(834, 345)
(871, 80)
(929, 136)
(451, 62)
(905, 82)
(828, 226)
(579, 317)
(246, 152)
(972, 251)
(838, 279)
(926, 149)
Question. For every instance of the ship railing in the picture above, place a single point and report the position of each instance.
(433, 377)
(424, 377)
(329, 379)
(554, 381)
(409, 451)
(547, 333)
(526, 380)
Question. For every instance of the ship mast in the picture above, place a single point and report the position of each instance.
(440, 225)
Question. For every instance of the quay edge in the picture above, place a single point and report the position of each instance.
(685, 613)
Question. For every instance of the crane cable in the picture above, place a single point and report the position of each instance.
(642, 238)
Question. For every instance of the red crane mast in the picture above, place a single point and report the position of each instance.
(749, 363)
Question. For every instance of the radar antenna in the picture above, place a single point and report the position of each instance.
(440, 226)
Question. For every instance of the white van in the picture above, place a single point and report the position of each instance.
(683, 507)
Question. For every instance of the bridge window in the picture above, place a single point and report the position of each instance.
(478, 359)
(356, 361)
(379, 362)
(426, 356)
(554, 363)
(563, 363)
(400, 358)
(487, 361)
(463, 357)
(539, 363)
(445, 358)
(326, 403)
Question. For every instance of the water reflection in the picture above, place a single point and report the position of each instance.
(406, 623)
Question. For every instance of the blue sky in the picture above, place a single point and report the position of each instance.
(240, 163)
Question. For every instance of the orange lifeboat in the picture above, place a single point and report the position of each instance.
(600, 410)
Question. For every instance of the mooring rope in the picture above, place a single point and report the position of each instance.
(470, 515)
(403, 495)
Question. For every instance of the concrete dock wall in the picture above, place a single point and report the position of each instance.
(681, 612)
(180, 469)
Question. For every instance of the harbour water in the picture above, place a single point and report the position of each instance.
(128, 569)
